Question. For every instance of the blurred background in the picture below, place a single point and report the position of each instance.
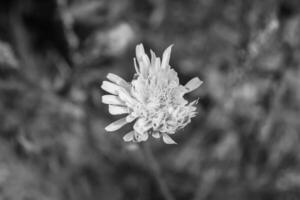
(243, 145)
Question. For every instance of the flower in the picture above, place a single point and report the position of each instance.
(154, 99)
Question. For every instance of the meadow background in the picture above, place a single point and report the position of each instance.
(243, 145)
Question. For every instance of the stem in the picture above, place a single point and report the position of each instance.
(155, 168)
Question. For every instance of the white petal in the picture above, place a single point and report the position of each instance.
(153, 58)
(144, 137)
(128, 137)
(193, 84)
(193, 108)
(137, 126)
(146, 60)
(110, 87)
(142, 125)
(156, 135)
(116, 125)
(166, 57)
(126, 97)
(143, 68)
(136, 66)
(147, 125)
(194, 102)
(139, 51)
(130, 118)
(193, 114)
(141, 55)
(141, 137)
(111, 99)
(117, 110)
(142, 59)
(117, 79)
(157, 63)
(168, 140)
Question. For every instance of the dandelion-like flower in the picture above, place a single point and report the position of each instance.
(154, 99)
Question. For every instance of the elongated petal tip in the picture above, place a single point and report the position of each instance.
(117, 79)
(110, 87)
(142, 59)
(166, 57)
(111, 99)
(136, 66)
(129, 136)
(193, 84)
(139, 51)
(130, 118)
(152, 53)
(168, 140)
(108, 128)
(117, 110)
(153, 58)
(112, 76)
(171, 46)
(116, 125)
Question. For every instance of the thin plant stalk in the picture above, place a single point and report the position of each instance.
(156, 170)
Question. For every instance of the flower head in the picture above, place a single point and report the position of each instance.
(154, 99)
